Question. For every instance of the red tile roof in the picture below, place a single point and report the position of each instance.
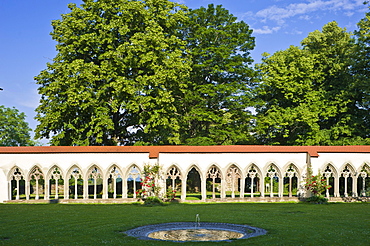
(154, 151)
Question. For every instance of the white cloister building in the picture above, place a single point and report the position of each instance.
(209, 172)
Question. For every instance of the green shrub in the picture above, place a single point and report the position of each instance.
(153, 201)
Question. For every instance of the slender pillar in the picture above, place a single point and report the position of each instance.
(203, 188)
(85, 189)
(183, 189)
(242, 186)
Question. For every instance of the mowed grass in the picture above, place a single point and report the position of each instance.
(103, 224)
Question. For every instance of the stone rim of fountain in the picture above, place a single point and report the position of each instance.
(142, 232)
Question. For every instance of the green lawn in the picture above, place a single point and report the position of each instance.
(99, 224)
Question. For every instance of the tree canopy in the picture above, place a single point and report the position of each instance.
(119, 67)
(135, 72)
(14, 130)
(309, 94)
(122, 75)
(214, 110)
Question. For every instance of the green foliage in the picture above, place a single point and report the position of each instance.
(320, 199)
(122, 76)
(153, 201)
(14, 130)
(149, 182)
(119, 67)
(317, 185)
(214, 107)
(308, 94)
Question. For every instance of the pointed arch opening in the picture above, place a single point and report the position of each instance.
(95, 182)
(173, 183)
(133, 182)
(213, 182)
(36, 184)
(56, 183)
(363, 181)
(17, 184)
(193, 185)
(272, 181)
(115, 182)
(76, 183)
(329, 175)
(252, 182)
(346, 181)
(233, 181)
(290, 181)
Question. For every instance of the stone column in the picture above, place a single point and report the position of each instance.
(85, 189)
(183, 189)
(46, 190)
(242, 186)
(223, 188)
(124, 187)
(203, 188)
(66, 188)
(281, 187)
(27, 189)
(336, 187)
(354, 185)
(10, 192)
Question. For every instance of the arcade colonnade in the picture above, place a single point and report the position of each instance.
(213, 172)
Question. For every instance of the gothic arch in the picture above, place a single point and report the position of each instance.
(75, 181)
(50, 172)
(196, 167)
(254, 181)
(95, 175)
(173, 180)
(17, 183)
(234, 180)
(133, 173)
(114, 181)
(363, 179)
(172, 168)
(193, 183)
(291, 178)
(287, 166)
(231, 164)
(36, 181)
(214, 173)
(267, 169)
(330, 173)
(273, 179)
(55, 173)
(15, 172)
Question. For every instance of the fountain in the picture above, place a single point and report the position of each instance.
(190, 231)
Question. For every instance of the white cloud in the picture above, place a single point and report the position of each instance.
(280, 14)
(266, 30)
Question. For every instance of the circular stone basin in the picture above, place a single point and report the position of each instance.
(190, 231)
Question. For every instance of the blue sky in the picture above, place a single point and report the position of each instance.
(26, 46)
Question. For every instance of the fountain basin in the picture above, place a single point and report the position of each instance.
(190, 231)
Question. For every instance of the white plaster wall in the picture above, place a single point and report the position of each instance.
(223, 160)
(184, 161)
(3, 186)
(338, 160)
(65, 161)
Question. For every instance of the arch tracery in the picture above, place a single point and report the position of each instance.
(37, 183)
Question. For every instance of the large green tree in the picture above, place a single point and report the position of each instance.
(215, 106)
(14, 130)
(119, 68)
(309, 96)
(122, 76)
(361, 66)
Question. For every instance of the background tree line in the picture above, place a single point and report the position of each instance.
(132, 72)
